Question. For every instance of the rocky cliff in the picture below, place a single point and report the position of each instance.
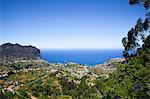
(11, 52)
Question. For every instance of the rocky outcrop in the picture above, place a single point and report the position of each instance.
(14, 52)
(110, 64)
(114, 60)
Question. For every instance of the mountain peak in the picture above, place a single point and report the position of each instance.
(12, 52)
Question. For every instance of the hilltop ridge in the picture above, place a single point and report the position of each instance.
(13, 52)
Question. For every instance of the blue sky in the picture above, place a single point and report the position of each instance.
(67, 24)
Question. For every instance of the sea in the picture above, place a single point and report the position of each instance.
(84, 57)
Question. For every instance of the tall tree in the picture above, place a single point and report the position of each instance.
(132, 79)
(138, 34)
(146, 3)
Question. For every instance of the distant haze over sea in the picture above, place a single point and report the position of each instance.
(88, 57)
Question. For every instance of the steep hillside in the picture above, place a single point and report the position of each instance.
(13, 52)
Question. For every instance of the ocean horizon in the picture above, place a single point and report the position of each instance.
(85, 57)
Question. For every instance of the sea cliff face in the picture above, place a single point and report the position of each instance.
(13, 52)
